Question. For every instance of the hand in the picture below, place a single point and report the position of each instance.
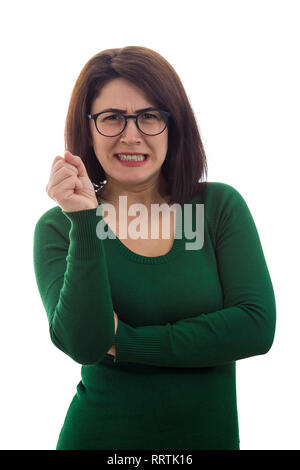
(69, 184)
(116, 322)
(112, 350)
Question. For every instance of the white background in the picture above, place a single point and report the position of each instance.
(239, 63)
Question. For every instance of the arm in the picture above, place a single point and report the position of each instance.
(71, 274)
(244, 327)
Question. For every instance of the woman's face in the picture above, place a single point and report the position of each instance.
(122, 94)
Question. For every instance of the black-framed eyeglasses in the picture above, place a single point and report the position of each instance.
(110, 123)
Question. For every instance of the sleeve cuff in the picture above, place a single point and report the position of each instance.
(84, 242)
(138, 344)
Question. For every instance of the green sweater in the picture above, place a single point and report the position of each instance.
(185, 318)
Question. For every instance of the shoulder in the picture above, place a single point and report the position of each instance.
(215, 192)
(223, 204)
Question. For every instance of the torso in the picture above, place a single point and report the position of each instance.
(146, 247)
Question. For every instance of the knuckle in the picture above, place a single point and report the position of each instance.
(57, 159)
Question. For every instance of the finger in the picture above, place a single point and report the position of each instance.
(69, 182)
(59, 163)
(61, 174)
(57, 159)
(63, 164)
(76, 161)
(78, 185)
(58, 190)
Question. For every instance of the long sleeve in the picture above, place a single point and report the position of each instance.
(72, 279)
(244, 327)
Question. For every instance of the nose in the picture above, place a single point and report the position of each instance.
(131, 132)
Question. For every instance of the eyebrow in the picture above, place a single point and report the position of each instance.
(116, 110)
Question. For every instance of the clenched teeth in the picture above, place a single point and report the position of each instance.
(131, 157)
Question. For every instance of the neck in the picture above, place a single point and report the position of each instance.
(141, 194)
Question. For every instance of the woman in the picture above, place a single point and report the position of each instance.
(157, 323)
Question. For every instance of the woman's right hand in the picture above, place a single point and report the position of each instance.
(69, 184)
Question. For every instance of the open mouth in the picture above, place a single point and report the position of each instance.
(131, 158)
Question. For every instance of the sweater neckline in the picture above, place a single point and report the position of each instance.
(177, 246)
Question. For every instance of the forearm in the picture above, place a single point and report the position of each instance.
(77, 323)
(207, 340)
(74, 285)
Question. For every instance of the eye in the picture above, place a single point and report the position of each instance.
(110, 117)
(150, 115)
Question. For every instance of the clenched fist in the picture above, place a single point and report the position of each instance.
(69, 184)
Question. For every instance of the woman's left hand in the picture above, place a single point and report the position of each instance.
(112, 350)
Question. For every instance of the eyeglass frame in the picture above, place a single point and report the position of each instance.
(132, 116)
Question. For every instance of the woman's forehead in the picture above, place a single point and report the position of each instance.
(123, 95)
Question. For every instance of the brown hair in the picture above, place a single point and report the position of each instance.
(185, 163)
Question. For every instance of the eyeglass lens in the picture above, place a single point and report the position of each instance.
(150, 123)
